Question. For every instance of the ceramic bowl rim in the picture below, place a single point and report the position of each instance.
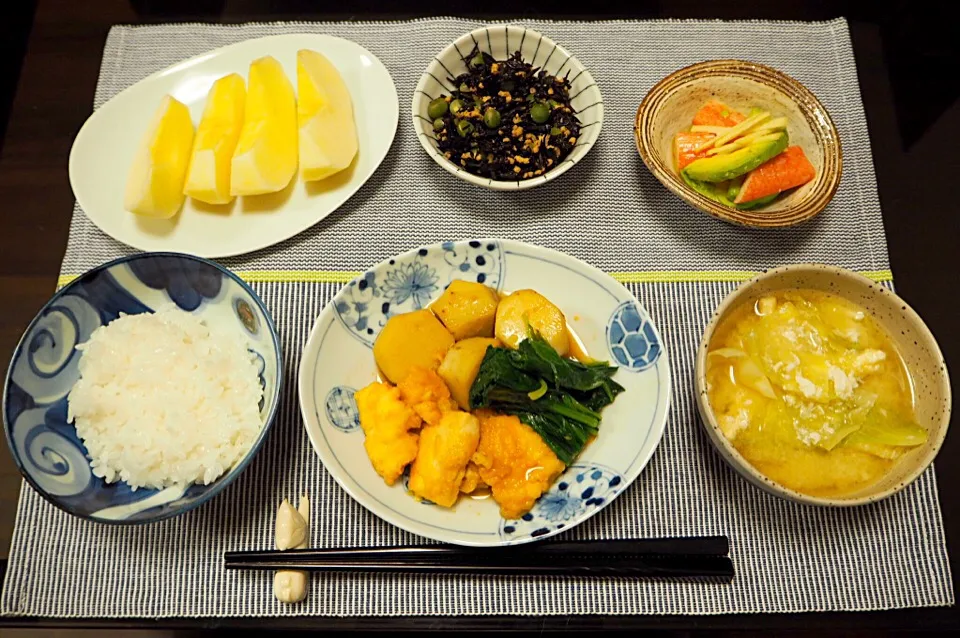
(485, 182)
(736, 461)
(232, 473)
(665, 175)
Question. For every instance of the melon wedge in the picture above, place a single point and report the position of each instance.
(208, 178)
(155, 182)
(328, 132)
(265, 159)
(789, 169)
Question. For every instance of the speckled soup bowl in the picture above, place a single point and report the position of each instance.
(669, 108)
(45, 366)
(913, 340)
(501, 41)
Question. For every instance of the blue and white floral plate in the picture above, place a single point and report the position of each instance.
(44, 368)
(338, 360)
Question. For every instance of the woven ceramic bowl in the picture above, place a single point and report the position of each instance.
(501, 42)
(913, 340)
(669, 108)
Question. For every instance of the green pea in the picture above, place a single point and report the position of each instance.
(552, 104)
(477, 61)
(438, 124)
(464, 127)
(491, 117)
(733, 189)
(437, 108)
(464, 87)
(540, 112)
(554, 131)
(457, 106)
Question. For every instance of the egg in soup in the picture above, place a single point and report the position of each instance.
(812, 392)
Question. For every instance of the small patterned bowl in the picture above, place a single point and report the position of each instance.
(913, 340)
(501, 42)
(669, 108)
(44, 368)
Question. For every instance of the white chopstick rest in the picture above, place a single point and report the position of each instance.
(292, 533)
(291, 526)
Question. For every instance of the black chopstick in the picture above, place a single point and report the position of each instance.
(685, 558)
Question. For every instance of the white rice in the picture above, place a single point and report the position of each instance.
(162, 400)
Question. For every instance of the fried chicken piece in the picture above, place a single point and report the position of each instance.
(445, 450)
(391, 429)
(471, 479)
(427, 394)
(515, 462)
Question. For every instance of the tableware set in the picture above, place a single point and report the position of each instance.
(336, 360)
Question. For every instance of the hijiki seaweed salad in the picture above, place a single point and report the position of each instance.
(505, 120)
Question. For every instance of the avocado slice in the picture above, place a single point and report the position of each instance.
(757, 203)
(711, 191)
(721, 168)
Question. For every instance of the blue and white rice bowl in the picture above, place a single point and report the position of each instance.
(44, 369)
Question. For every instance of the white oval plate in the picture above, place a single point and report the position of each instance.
(102, 152)
(338, 360)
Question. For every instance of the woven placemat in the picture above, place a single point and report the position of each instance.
(608, 211)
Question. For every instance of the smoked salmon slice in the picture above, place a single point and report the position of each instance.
(789, 169)
(715, 113)
(685, 147)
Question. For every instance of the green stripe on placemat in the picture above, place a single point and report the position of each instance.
(297, 276)
(683, 276)
(653, 276)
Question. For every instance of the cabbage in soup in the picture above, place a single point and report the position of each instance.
(811, 390)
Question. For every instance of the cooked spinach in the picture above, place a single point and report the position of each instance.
(567, 414)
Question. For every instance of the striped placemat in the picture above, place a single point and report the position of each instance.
(608, 211)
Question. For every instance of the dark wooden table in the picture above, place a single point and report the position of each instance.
(907, 57)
